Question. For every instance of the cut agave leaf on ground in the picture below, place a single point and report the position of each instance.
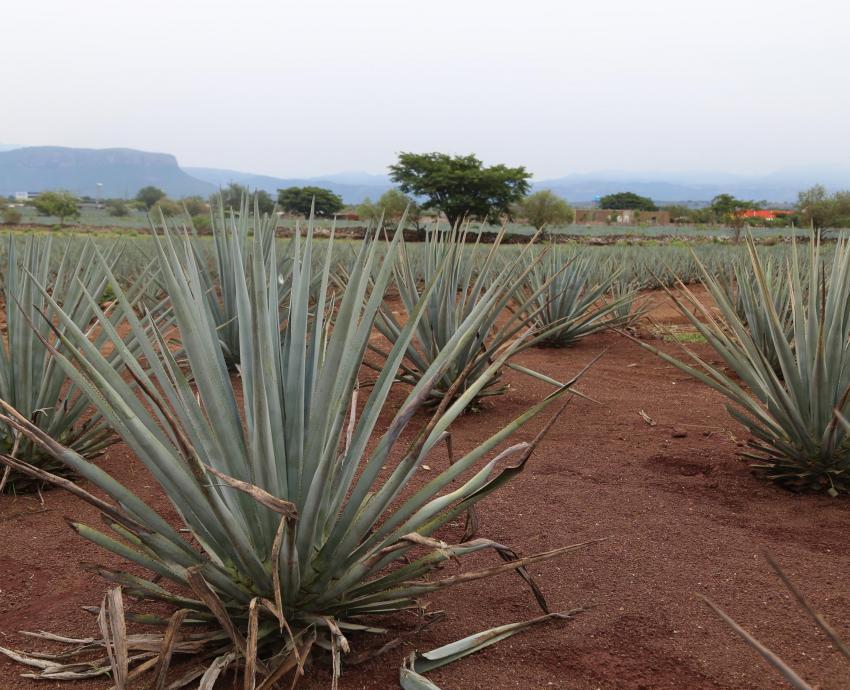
(411, 680)
(410, 675)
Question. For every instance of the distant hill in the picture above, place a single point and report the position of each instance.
(780, 187)
(122, 171)
(352, 187)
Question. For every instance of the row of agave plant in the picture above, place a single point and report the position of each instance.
(300, 522)
(297, 540)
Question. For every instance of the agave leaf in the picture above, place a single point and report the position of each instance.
(787, 672)
(436, 658)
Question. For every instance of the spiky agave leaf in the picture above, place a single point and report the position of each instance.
(30, 380)
(410, 673)
(743, 291)
(472, 286)
(796, 438)
(568, 304)
(786, 671)
(230, 229)
(300, 529)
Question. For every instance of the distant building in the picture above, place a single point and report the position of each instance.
(25, 196)
(765, 214)
(621, 216)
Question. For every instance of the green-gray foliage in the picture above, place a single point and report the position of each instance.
(473, 287)
(149, 195)
(460, 186)
(299, 530)
(569, 302)
(820, 209)
(306, 200)
(30, 380)
(545, 208)
(392, 206)
(62, 205)
(796, 438)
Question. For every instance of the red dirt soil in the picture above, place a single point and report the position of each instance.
(682, 513)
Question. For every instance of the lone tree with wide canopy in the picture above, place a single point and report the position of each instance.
(301, 199)
(627, 201)
(460, 186)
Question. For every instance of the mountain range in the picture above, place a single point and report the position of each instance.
(122, 172)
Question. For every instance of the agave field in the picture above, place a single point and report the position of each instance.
(242, 460)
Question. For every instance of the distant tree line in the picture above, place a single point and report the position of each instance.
(460, 188)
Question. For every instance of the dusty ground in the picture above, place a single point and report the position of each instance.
(682, 513)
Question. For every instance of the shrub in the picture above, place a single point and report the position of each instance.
(117, 208)
(11, 216)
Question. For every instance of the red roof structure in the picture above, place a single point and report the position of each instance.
(764, 214)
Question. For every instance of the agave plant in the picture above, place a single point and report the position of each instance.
(472, 286)
(796, 437)
(30, 380)
(297, 531)
(565, 303)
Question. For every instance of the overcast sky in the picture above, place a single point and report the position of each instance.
(311, 87)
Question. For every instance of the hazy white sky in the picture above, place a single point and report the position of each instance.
(311, 87)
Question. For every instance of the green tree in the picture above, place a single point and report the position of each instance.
(726, 209)
(167, 207)
(460, 186)
(368, 210)
(62, 205)
(627, 201)
(10, 215)
(842, 209)
(195, 205)
(821, 210)
(392, 205)
(264, 200)
(232, 195)
(117, 207)
(202, 224)
(545, 208)
(300, 199)
(149, 195)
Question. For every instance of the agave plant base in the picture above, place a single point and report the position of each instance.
(805, 475)
(205, 638)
